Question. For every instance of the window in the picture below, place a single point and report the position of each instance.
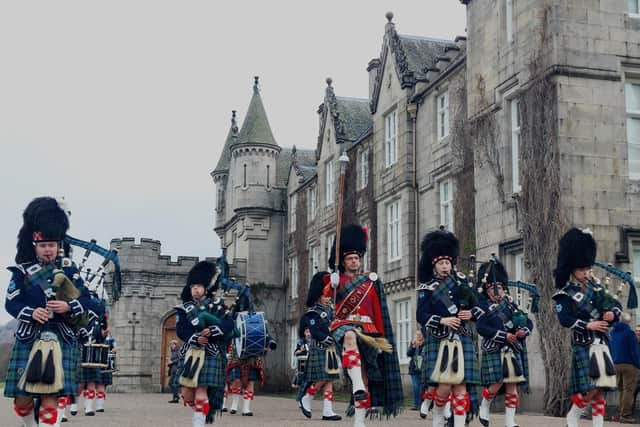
(293, 201)
(244, 176)
(314, 261)
(294, 277)
(268, 177)
(446, 204)
(634, 7)
(390, 131)
(515, 145)
(632, 103)
(365, 258)
(519, 273)
(293, 340)
(328, 178)
(393, 230)
(443, 115)
(509, 19)
(403, 326)
(363, 176)
(635, 253)
(329, 242)
(311, 203)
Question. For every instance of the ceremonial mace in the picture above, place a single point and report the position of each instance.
(343, 160)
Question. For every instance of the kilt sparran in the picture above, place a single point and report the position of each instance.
(18, 363)
(471, 366)
(211, 374)
(315, 370)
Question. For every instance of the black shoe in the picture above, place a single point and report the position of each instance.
(304, 411)
(174, 401)
(73, 413)
(247, 414)
(224, 410)
(208, 419)
(233, 411)
(89, 414)
(331, 418)
(484, 422)
(99, 410)
(64, 420)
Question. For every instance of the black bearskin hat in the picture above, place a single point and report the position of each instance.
(316, 287)
(200, 274)
(43, 215)
(436, 245)
(576, 249)
(494, 272)
(353, 240)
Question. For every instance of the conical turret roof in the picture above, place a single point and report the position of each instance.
(225, 156)
(255, 127)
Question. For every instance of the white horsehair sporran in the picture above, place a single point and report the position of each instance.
(601, 368)
(43, 373)
(511, 370)
(449, 368)
(194, 360)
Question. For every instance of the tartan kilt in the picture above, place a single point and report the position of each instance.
(90, 375)
(581, 382)
(368, 354)
(18, 363)
(211, 374)
(425, 374)
(471, 365)
(491, 367)
(236, 374)
(107, 378)
(315, 369)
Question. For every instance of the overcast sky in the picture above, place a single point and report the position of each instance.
(122, 107)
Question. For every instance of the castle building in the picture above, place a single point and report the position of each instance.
(507, 137)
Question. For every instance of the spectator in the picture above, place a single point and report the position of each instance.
(414, 352)
(625, 352)
(173, 369)
(638, 332)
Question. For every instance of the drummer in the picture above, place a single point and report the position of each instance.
(242, 374)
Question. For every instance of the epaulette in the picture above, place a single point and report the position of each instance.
(185, 307)
(559, 293)
(19, 268)
(431, 286)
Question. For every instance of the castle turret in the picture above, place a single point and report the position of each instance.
(254, 156)
(220, 174)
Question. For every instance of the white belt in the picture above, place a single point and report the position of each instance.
(359, 318)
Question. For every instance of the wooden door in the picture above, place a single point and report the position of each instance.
(168, 334)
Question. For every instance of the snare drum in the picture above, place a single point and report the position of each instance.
(95, 356)
(252, 340)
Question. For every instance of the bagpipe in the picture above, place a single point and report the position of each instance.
(95, 354)
(252, 338)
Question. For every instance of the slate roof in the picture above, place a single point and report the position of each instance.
(255, 126)
(225, 157)
(422, 52)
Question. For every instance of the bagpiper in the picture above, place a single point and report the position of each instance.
(47, 296)
(446, 305)
(504, 328)
(322, 367)
(586, 308)
(362, 331)
(204, 324)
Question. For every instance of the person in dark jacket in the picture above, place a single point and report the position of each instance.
(625, 352)
(173, 369)
(414, 353)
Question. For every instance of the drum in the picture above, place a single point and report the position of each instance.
(111, 363)
(95, 356)
(253, 338)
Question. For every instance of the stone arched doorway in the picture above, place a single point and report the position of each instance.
(168, 334)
